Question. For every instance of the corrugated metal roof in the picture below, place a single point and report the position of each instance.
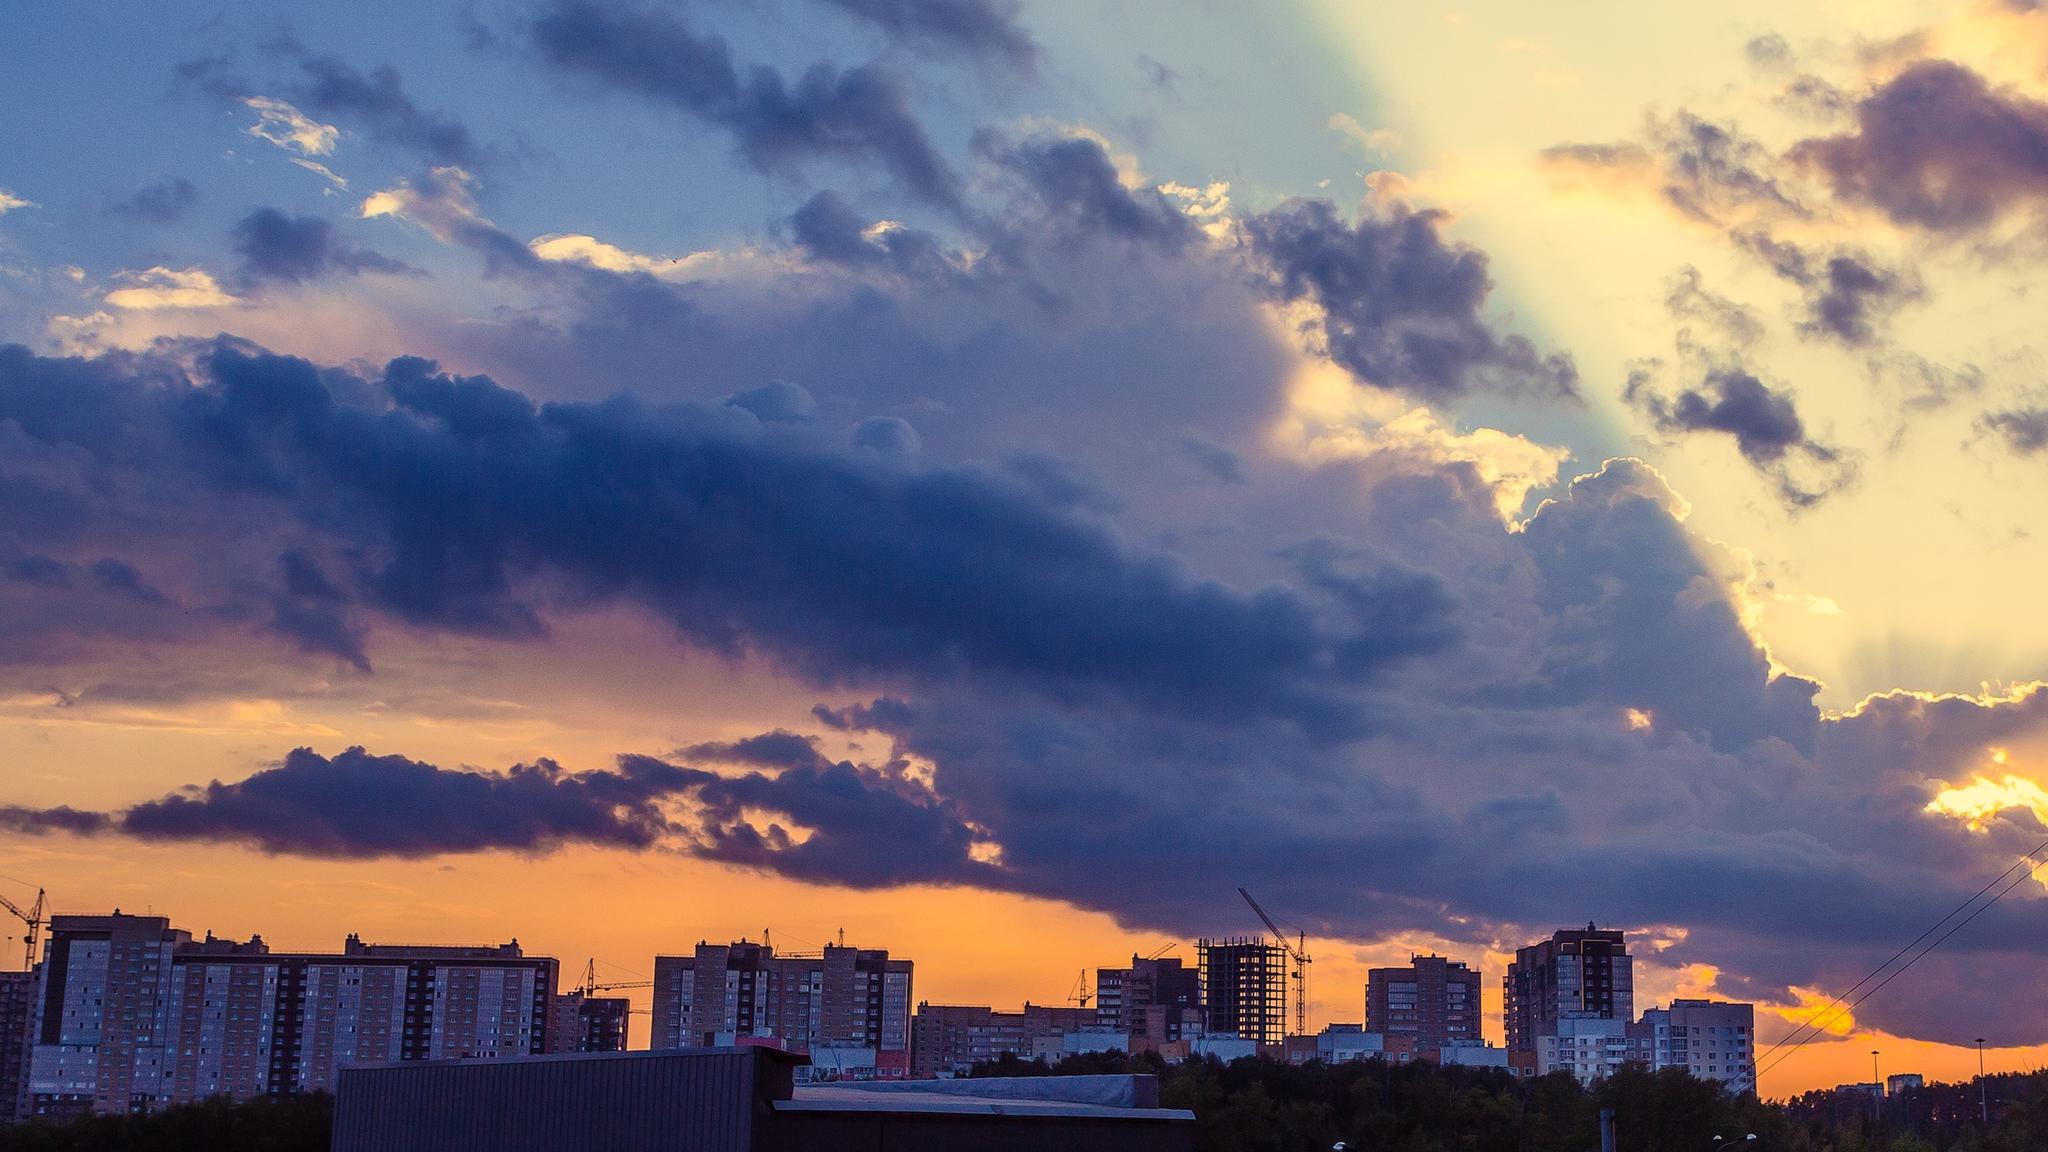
(679, 1101)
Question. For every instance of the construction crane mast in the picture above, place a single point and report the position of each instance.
(590, 987)
(34, 918)
(1080, 994)
(1297, 952)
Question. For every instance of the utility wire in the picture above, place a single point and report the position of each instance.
(1835, 1008)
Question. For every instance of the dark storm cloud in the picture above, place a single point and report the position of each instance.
(312, 612)
(986, 29)
(42, 821)
(1076, 186)
(1848, 293)
(297, 249)
(329, 87)
(2024, 430)
(1087, 718)
(1707, 170)
(845, 811)
(1402, 307)
(164, 202)
(377, 101)
(359, 806)
(777, 749)
(861, 113)
(1762, 420)
(827, 228)
(455, 491)
(1937, 148)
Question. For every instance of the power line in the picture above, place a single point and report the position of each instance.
(1835, 1008)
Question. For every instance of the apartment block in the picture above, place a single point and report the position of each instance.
(1244, 987)
(816, 1002)
(1577, 974)
(948, 1039)
(1712, 1039)
(1156, 999)
(582, 1023)
(1589, 1047)
(17, 1008)
(1434, 1001)
(135, 1015)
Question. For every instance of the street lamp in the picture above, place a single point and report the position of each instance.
(1877, 1085)
(1983, 1096)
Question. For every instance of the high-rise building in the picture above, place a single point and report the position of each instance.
(947, 1039)
(1244, 987)
(1434, 1000)
(589, 1023)
(1712, 1039)
(1576, 974)
(135, 1014)
(816, 1002)
(1156, 999)
(17, 1008)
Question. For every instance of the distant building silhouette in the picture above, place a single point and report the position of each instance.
(1712, 1039)
(1434, 1002)
(17, 1007)
(947, 1039)
(1155, 999)
(136, 1015)
(582, 1023)
(833, 1005)
(1244, 987)
(1577, 974)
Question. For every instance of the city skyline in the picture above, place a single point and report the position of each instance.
(201, 1015)
(999, 478)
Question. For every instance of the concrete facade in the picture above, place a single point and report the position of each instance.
(1434, 1000)
(1156, 999)
(135, 1015)
(948, 1039)
(1244, 988)
(838, 998)
(1576, 974)
(17, 1009)
(1712, 1039)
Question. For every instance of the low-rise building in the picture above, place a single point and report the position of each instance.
(948, 1039)
(1712, 1039)
(1589, 1047)
(748, 1099)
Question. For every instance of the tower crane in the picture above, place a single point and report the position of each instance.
(1077, 996)
(1297, 952)
(34, 918)
(590, 987)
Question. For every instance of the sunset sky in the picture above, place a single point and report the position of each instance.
(994, 477)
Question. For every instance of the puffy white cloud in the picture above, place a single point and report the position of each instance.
(159, 287)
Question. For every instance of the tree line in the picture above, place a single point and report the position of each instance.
(1258, 1105)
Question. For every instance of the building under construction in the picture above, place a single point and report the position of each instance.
(1244, 985)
